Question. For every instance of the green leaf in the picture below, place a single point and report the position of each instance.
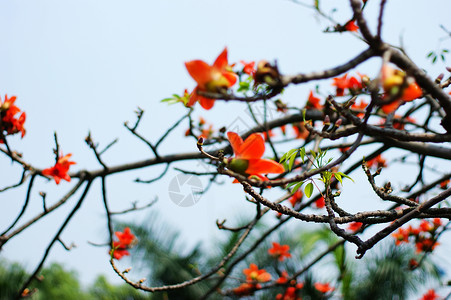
(291, 184)
(302, 154)
(292, 158)
(434, 59)
(297, 186)
(313, 153)
(345, 176)
(443, 57)
(308, 190)
(338, 177)
(430, 54)
(445, 50)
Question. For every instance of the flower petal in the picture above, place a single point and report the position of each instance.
(253, 147)
(221, 62)
(231, 78)
(235, 141)
(412, 92)
(264, 166)
(200, 71)
(206, 103)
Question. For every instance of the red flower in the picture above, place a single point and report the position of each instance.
(425, 226)
(323, 287)
(126, 241)
(392, 80)
(361, 106)
(60, 169)
(320, 203)
(118, 251)
(444, 184)
(351, 26)
(265, 135)
(300, 130)
(377, 162)
(9, 122)
(254, 274)
(279, 251)
(342, 83)
(249, 68)
(313, 102)
(402, 235)
(426, 245)
(296, 197)
(126, 238)
(248, 155)
(215, 78)
(246, 289)
(283, 278)
(437, 222)
(355, 226)
(430, 295)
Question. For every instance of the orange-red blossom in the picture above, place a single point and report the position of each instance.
(392, 81)
(324, 287)
(248, 155)
(214, 78)
(60, 169)
(279, 251)
(256, 274)
(9, 122)
(126, 241)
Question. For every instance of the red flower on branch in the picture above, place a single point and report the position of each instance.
(392, 81)
(216, 78)
(126, 241)
(248, 155)
(60, 169)
(256, 274)
(300, 130)
(342, 83)
(296, 197)
(355, 226)
(323, 287)
(313, 102)
(10, 122)
(246, 289)
(351, 26)
(279, 251)
(430, 295)
(320, 203)
(377, 162)
(249, 68)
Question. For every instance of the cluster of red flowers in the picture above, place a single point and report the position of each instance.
(10, 121)
(291, 292)
(377, 162)
(126, 241)
(352, 84)
(254, 276)
(392, 81)
(60, 169)
(423, 235)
